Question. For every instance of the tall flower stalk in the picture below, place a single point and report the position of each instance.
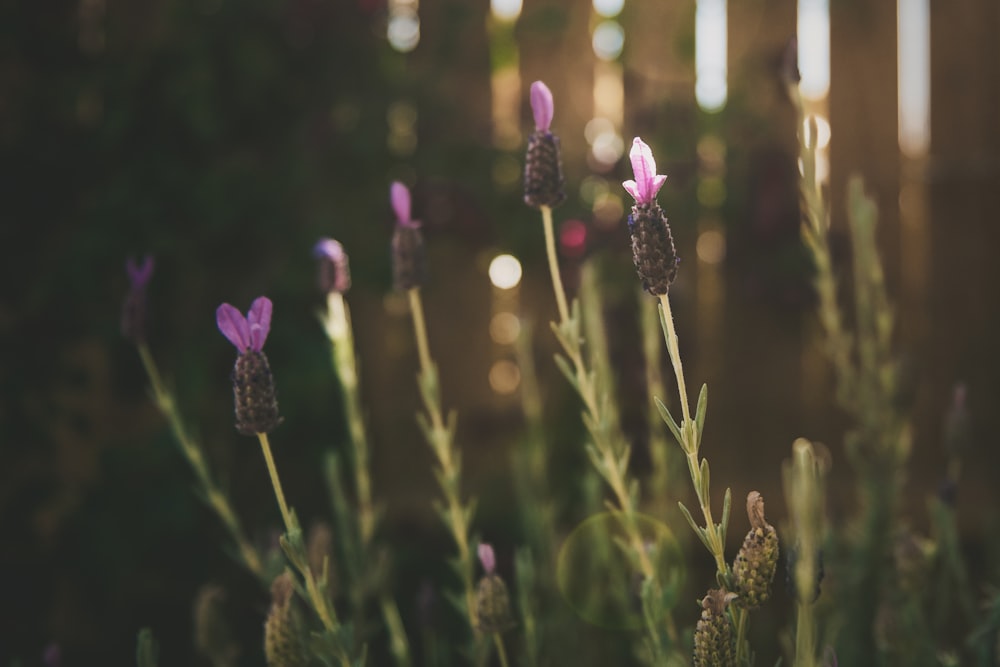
(609, 452)
(409, 270)
(656, 260)
(257, 414)
(134, 326)
(334, 281)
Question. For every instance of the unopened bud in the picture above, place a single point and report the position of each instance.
(653, 251)
(283, 636)
(758, 557)
(714, 645)
(253, 391)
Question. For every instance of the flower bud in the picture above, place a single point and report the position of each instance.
(758, 557)
(714, 645)
(254, 395)
(653, 251)
(409, 261)
(492, 605)
(283, 637)
(543, 176)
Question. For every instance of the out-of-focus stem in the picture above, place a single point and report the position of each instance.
(550, 248)
(217, 500)
(439, 436)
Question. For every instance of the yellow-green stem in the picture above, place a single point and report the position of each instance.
(192, 452)
(673, 349)
(420, 332)
(550, 248)
(501, 651)
(805, 639)
(615, 476)
(442, 446)
(318, 600)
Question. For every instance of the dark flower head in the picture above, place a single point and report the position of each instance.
(134, 309)
(253, 384)
(246, 333)
(543, 177)
(409, 263)
(334, 270)
(653, 251)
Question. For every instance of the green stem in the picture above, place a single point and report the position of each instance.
(294, 535)
(217, 500)
(439, 436)
(673, 349)
(501, 651)
(550, 249)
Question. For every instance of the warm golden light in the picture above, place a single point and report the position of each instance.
(505, 328)
(505, 377)
(711, 246)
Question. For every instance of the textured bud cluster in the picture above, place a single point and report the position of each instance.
(543, 177)
(409, 262)
(283, 645)
(714, 645)
(334, 271)
(492, 600)
(757, 559)
(653, 251)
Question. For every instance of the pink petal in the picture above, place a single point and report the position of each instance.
(487, 558)
(657, 183)
(233, 326)
(631, 188)
(643, 166)
(259, 322)
(399, 195)
(139, 274)
(330, 249)
(541, 106)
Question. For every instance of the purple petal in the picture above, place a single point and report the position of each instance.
(487, 558)
(542, 106)
(631, 188)
(139, 274)
(233, 326)
(259, 322)
(647, 182)
(330, 249)
(399, 195)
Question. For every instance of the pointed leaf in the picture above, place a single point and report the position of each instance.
(698, 531)
(699, 415)
(669, 420)
(727, 503)
(566, 370)
(705, 477)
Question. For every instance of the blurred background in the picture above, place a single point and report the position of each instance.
(224, 138)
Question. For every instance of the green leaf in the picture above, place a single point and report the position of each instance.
(705, 477)
(669, 420)
(699, 415)
(596, 460)
(698, 531)
(566, 370)
(727, 503)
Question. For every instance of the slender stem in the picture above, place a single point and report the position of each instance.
(217, 500)
(294, 535)
(550, 248)
(673, 349)
(420, 331)
(501, 651)
(439, 437)
(805, 639)
(279, 493)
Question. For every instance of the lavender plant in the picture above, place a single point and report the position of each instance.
(356, 533)
(609, 452)
(133, 326)
(409, 268)
(256, 413)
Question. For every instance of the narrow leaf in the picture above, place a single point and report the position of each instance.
(698, 531)
(727, 503)
(705, 477)
(669, 420)
(566, 370)
(699, 415)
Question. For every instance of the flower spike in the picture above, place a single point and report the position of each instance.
(139, 274)
(133, 322)
(334, 270)
(253, 384)
(647, 182)
(541, 106)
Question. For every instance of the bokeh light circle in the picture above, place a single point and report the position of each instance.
(598, 580)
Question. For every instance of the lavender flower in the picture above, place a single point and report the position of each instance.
(409, 264)
(133, 323)
(253, 384)
(653, 250)
(543, 177)
(492, 599)
(334, 270)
